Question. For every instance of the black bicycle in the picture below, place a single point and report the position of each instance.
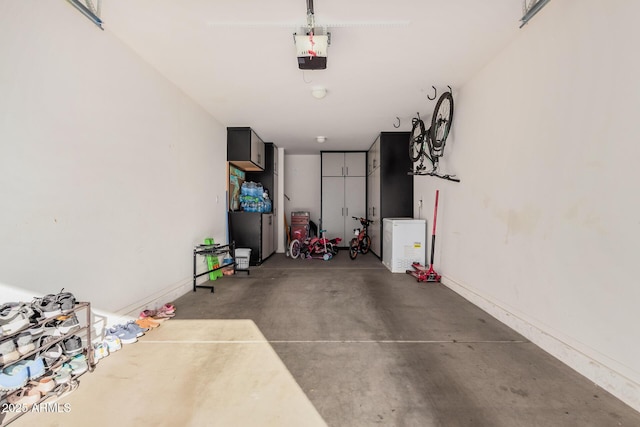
(430, 143)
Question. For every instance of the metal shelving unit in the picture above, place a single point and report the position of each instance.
(7, 416)
(211, 250)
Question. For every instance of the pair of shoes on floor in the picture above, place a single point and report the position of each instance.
(135, 328)
(112, 342)
(120, 334)
(148, 323)
(127, 334)
(165, 312)
(101, 350)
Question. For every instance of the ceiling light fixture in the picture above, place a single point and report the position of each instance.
(321, 139)
(318, 92)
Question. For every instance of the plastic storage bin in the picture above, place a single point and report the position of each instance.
(242, 258)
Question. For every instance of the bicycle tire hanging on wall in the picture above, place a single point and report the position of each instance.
(430, 143)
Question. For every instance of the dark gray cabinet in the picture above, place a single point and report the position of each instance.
(245, 149)
(253, 230)
(389, 186)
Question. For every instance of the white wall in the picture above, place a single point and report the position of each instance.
(302, 185)
(109, 175)
(543, 230)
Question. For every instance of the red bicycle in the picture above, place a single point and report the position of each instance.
(315, 247)
(361, 242)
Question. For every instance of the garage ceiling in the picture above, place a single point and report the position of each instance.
(237, 59)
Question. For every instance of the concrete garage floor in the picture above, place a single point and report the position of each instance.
(341, 342)
(370, 347)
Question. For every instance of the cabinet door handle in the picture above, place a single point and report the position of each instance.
(343, 171)
(347, 171)
(347, 211)
(374, 211)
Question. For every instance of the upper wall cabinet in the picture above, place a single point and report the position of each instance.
(343, 163)
(245, 149)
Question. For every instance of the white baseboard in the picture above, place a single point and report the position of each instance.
(154, 301)
(587, 362)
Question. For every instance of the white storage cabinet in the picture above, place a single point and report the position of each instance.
(344, 193)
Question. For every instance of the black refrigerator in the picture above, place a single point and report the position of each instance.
(253, 230)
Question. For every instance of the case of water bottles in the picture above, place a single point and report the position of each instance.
(254, 198)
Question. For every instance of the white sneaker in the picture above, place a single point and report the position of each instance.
(100, 351)
(113, 343)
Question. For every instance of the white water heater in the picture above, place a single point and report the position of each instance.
(404, 242)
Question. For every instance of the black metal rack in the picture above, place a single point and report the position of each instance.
(212, 250)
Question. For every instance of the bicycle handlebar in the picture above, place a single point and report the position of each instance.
(362, 220)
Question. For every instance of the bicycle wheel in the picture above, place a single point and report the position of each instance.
(441, 121)
(294, 248)
(416, 142)
(353, 248)
(333, 250)
(366, 244)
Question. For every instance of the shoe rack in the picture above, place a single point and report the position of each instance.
(10, 412)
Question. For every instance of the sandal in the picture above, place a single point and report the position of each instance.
(148, 323)
(153, 314)
(147, 313)
(169, 307)
(161, 316)
(166, 312)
